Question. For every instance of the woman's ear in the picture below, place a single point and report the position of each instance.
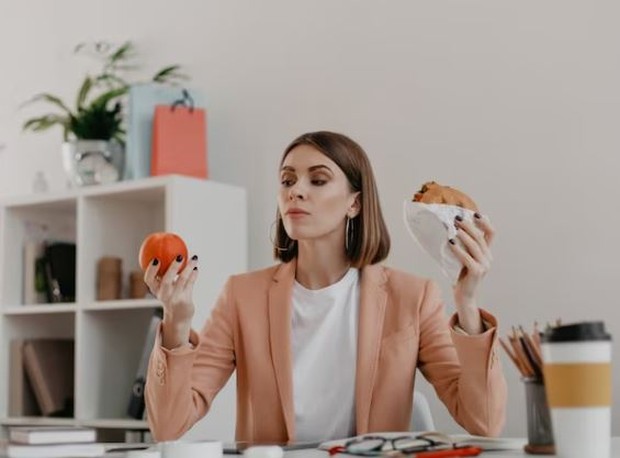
(355, 207)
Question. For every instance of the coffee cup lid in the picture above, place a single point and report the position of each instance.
(585, 331)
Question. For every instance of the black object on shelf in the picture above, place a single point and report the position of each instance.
(58, 265)
(136, 407)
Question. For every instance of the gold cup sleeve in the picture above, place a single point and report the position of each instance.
(578, 385)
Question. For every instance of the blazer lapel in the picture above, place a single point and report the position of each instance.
(280, 294)
(373, 299)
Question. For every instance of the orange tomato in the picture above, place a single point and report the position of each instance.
(163, 246)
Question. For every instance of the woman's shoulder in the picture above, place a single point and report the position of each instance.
(255, 278)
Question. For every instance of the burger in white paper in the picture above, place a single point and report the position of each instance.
(429, 217)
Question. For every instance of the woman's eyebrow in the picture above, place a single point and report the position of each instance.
(288, 168)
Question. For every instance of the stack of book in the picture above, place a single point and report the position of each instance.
(51, 442)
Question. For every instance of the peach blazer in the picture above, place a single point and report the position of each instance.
(402, 325)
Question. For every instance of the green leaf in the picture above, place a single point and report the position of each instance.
(168, 74)
(126, 68)
(54, 100)
(83, 92)
(111, 80)
(106, 97)
(45, 122)
(123, 52)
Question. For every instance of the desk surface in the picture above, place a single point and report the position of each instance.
(313, 453)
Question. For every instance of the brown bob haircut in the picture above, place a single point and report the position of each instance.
(369, 240)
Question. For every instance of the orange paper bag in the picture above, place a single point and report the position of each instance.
(179, 141)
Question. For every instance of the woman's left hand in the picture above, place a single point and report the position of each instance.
(475, 254)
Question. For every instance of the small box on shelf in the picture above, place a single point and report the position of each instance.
(109, 278)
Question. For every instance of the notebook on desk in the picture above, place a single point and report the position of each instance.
(94, 449)
(237, 448)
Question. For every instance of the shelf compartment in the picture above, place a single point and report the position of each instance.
(112, 343)
(115, 225)
(42, 325)
(51, 221)
(31, 326)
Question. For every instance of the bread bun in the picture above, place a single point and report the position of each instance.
(434, 193)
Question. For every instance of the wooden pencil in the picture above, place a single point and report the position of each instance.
(536, 335)
(534, 351)
(512, 356)
(528, 351)
(519, 351)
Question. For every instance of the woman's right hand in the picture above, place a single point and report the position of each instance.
(174, 290)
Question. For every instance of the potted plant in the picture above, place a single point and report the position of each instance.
(93, 130)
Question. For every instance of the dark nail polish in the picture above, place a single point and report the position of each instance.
(196, 268)
(155, 261)
(179, 258)
(452, 242)
(459, 218)
(195, 258)
(477, 215)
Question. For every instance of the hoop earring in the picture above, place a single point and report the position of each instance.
(271, 237)
(348, 229)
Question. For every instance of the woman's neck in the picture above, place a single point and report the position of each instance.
(318, 268)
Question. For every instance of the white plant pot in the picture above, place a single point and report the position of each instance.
(89, 162)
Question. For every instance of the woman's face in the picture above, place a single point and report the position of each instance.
(314, 196)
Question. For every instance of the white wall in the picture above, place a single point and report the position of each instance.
(516, 103)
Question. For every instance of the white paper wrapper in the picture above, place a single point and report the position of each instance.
(432, 225)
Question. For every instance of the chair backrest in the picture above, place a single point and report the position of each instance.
(422, 417)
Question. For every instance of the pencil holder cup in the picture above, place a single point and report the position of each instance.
(539, 431)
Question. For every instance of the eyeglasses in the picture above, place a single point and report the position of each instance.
(372, 446)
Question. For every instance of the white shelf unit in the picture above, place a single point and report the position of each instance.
(112, 220)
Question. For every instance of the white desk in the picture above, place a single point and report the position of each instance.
(615, 451)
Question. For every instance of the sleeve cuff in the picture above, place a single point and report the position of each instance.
(185, 349)
(488, 322)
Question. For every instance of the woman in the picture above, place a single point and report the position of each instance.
(326, 343)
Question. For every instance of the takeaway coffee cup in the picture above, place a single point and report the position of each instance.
(577, 372)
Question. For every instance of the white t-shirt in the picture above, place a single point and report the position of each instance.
(324, 345)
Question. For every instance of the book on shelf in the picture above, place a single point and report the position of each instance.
(22, 400)
(461, 440)
(49, 365)
(51, 434)
(33, 287)
(10, 450)
(136, 408)
(35, 236)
